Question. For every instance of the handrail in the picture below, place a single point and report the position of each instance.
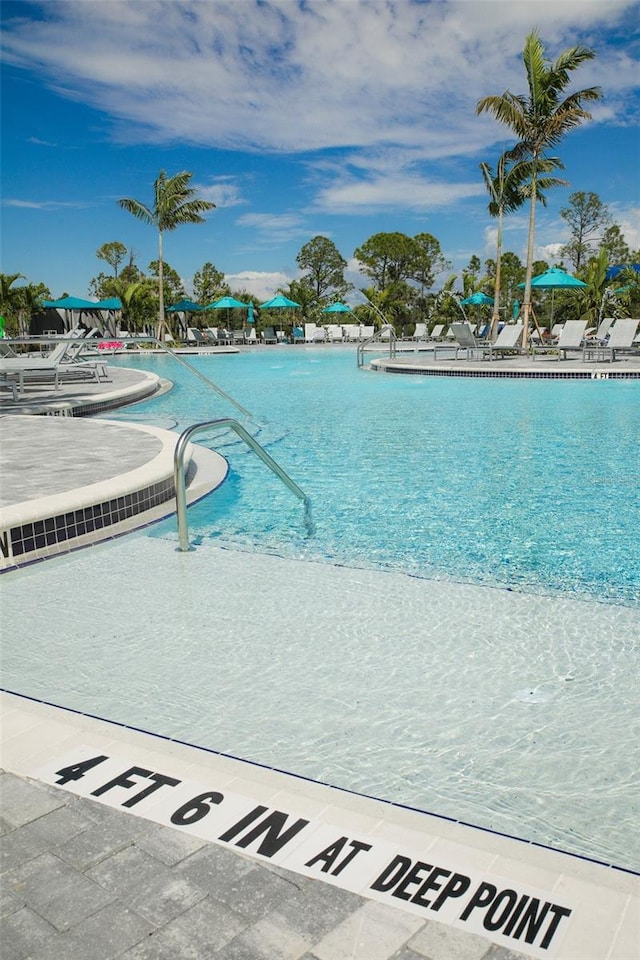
(141, 339)
(393, 337)
(180, 483)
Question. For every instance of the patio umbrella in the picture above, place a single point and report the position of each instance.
(226, 303)
(337, 308)
(277, 302)
(478, 299)
(250, 317)
(185, 306)
(555, 279)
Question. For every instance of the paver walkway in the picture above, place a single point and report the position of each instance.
(81, 881)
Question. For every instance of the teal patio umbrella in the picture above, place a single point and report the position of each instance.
(555, 279)
(478, 299)
(279, 302)
(227, 303)
(185, 306)
(337, 308)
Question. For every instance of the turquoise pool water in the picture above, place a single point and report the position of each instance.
(526, 483)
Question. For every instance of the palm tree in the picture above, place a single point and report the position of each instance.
(175, 203)
(508, 189)
(540, 120)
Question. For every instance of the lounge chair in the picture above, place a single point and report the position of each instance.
(268, 335)
(599, 335)
(463, 340)
(335, 333)
(211, 334)
(352, 332)
(297, 335)
(420, 331)
(63, 362)
(196, 336)
(309, 332)
(509, 339)
(620, 340)
(251, 336)
(571, 339)
(320, 335)
(239, 336)
(7, 384)
(368, 332)
(436, 334)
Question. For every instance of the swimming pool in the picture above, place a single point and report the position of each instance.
(461, 635)
(524, 483)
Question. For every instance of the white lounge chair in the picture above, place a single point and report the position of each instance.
(420, 331)
(63, 362)
(334, 332)
(309, 332)
(599, 335)
(621, 339)
(571, 339)
(509, 339)
(437, 333)
(368, 331)
(352, 332)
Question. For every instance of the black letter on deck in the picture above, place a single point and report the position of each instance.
(391, 874)
(331, 853)
(271, 826)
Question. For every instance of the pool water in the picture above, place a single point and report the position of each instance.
(460, 634)
(531, 484)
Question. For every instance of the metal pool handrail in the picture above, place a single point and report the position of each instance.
(180, 483)
(378, 337)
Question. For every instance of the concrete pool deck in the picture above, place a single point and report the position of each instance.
(217, 857)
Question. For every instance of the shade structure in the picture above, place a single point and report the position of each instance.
(185, 306)
(555, 279)
(111, 303)
(478, 299)
(613, 272)
(277, 302)
(337, 308)
(71, 303)
(226, 303)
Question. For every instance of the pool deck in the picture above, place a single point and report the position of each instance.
(158, 849)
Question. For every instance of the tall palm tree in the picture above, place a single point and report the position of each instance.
(540, 119)
(175, 203)
(508, 189)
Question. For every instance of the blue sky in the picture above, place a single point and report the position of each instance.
(297, 118)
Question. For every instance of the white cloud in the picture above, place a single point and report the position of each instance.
(273, 228)
(392, 84)
(628, 219)
(41, 204)
(262, 285)
(405, 191)
(331, 73)
(223, 191)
